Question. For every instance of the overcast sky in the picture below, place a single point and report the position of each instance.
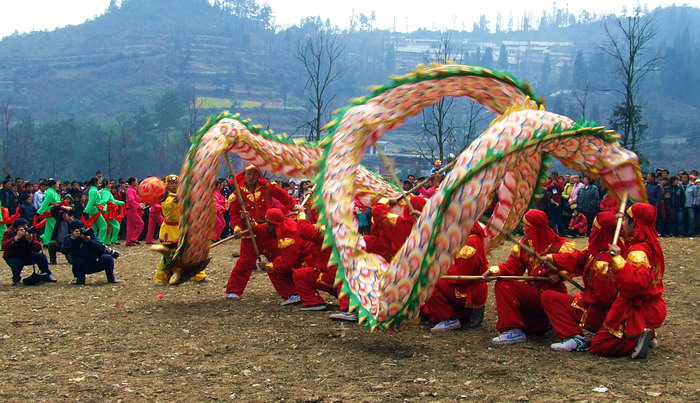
(28, 15)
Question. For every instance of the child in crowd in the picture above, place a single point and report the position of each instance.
(578, 224)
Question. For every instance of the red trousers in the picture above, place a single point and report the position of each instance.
(565, 318)
(519, 307)
(155, 218)
(219, 226)
(604, 343)
(134, 226)
(283, 282)
(240, 274)
(445, 304)
(310, 281)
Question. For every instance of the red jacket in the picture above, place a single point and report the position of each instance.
(639, 304)
(471, 260)
(257, 203)
(597, 275)
(21, 248)
(391, 229)
(579, 223)
(520, 262)
(555, 189)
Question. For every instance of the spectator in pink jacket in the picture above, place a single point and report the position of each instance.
(134, 222)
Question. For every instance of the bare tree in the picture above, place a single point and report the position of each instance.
(194, 107)
(629, 43)
(124, 127)
(320, 54)
(474, 123)
(440, 122)
(6, 117)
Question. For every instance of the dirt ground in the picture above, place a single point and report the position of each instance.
(140, 341)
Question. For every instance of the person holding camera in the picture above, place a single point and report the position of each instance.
(21, 247)
(88, 254)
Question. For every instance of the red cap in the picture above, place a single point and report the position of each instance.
(274, 215)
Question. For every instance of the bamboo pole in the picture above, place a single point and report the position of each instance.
(618, 225)
(392, 172)
(531, 251)
(428, 179)
(239, 195)
(466, 278)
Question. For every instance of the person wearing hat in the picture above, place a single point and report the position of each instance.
(518, 302)
(88, 255)
(639, 308)
(571, 315)
(21, 247)
(258, 197)
(170, 228)
(292, 252)
(458, 302)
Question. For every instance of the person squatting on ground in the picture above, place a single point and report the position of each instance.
(314, 274)
(518, 302)
(455, 303)
(88, 255)
(21, 247)
(170, 229)
(639, 309)
(258, 195)
(571, 315)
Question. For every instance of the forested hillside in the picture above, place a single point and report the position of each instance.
(129, 87)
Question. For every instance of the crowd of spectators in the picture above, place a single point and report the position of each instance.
(674, 196)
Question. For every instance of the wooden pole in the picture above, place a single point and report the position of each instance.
(531, 251)
(239, 195)
(618, 225)
(390, 167)
(215, 244)
(428, 179)
(463, 278)
(303, 202)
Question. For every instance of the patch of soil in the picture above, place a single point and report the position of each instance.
(124, 342)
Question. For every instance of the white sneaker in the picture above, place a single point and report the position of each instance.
(576, 343)
(511, 336)
(347, 316)
(319, 307)
(294, 299)
(232, 295)
(643, 344)
(446, 325)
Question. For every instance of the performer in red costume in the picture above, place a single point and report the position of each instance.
(292, 252)
(639, 307)
(390, 230)
(315, 275)
(257, 195)
(517, 302)
(571, 315)
(455, 302)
